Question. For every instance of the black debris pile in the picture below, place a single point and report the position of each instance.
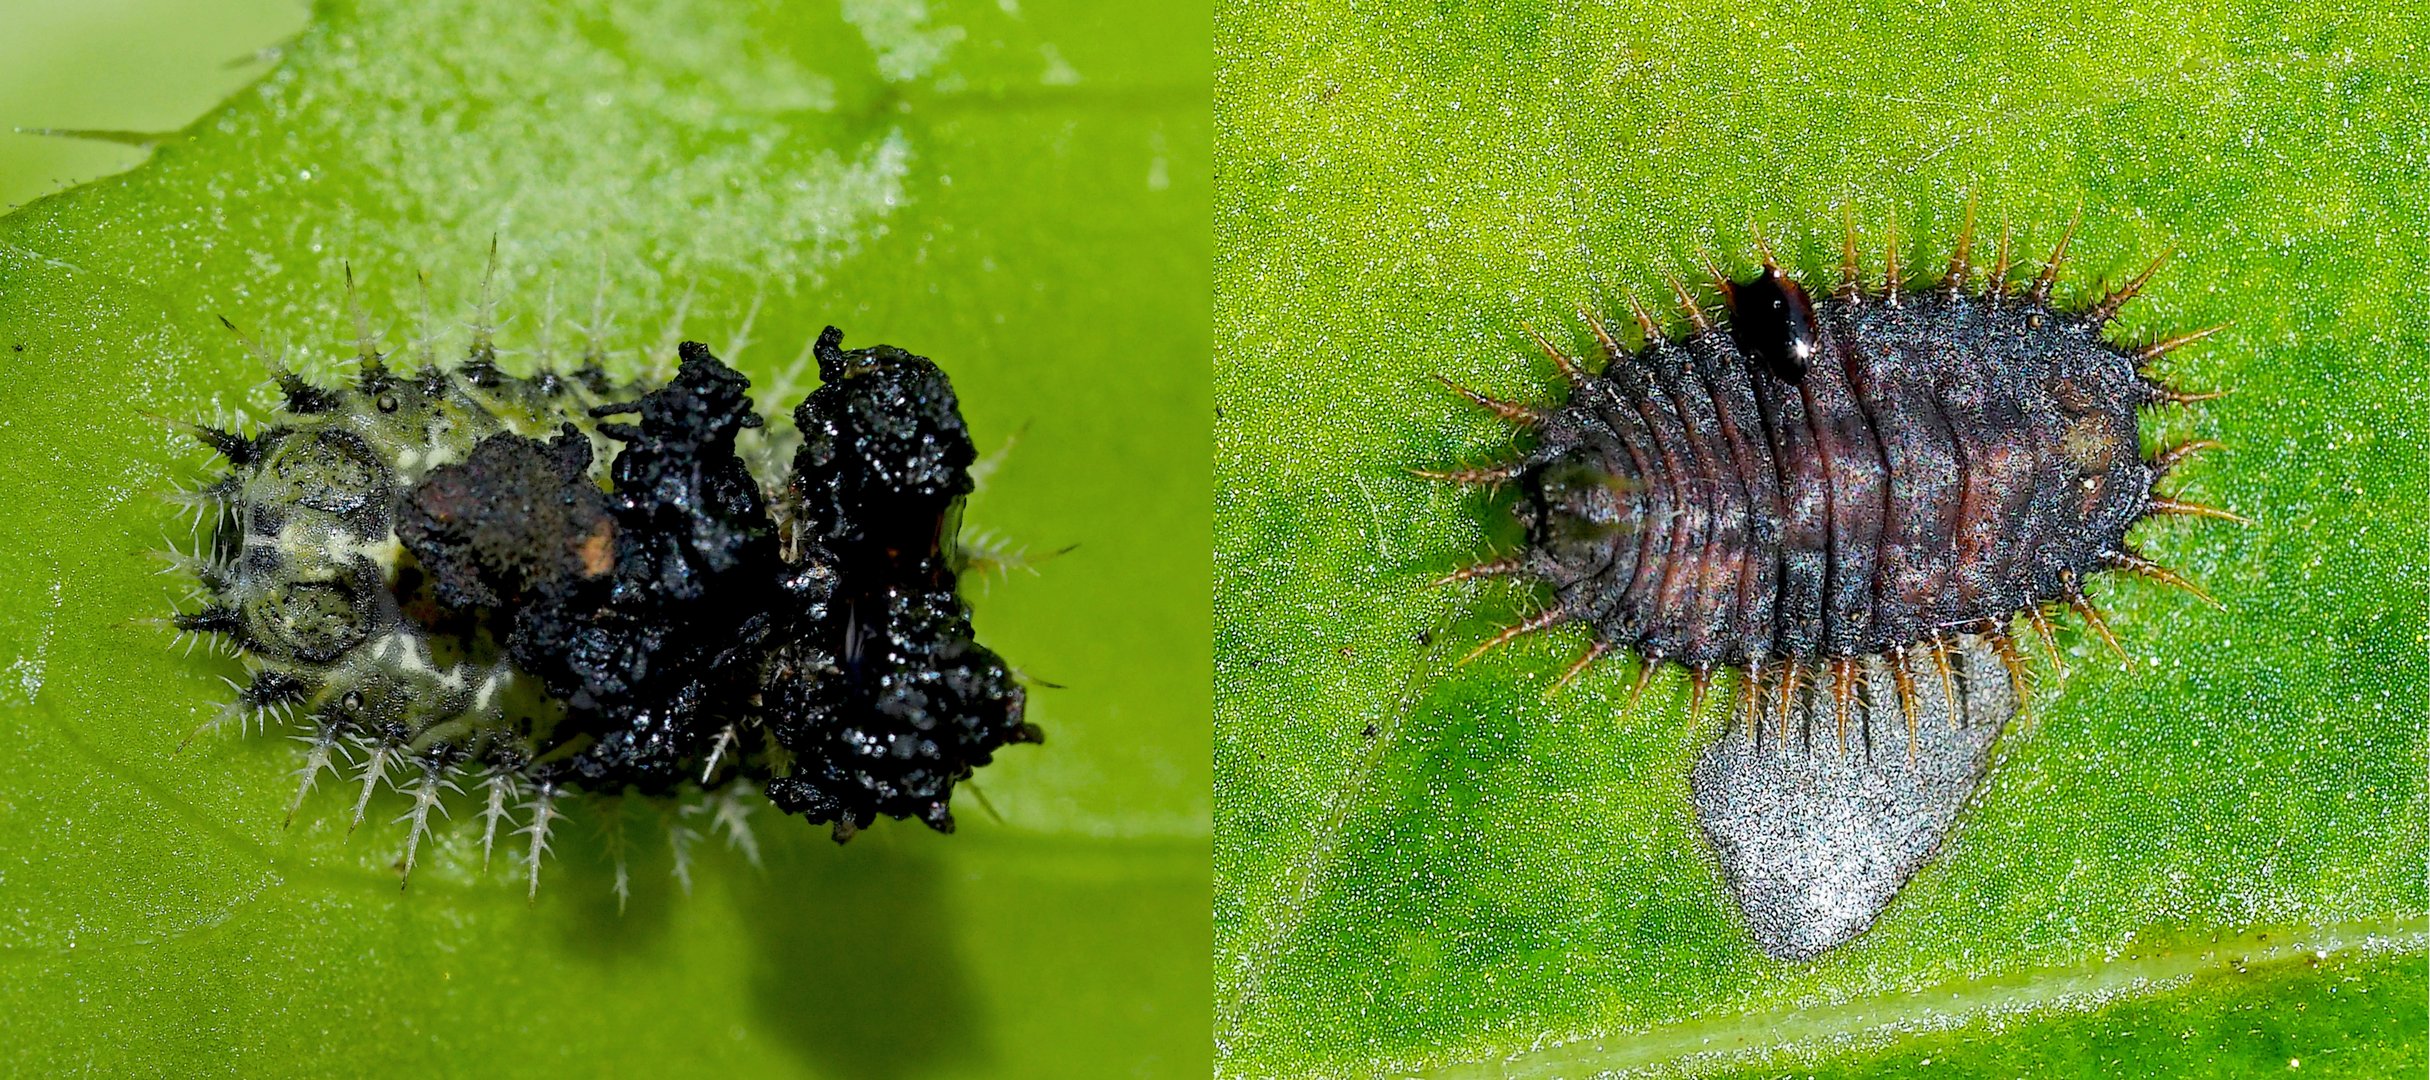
(883, 697)
(695, 632)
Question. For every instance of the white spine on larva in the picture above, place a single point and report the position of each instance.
(543, 808)
(680, 838)
(233, 710)
(731, 813)
(614, 829)
(375, 768)
(500, 785)
(717, 752)
(427, 791)
(315, 761)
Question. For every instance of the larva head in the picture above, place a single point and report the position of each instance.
(1575, 507)
(1580, 496)
(330, 470)
(2092, 393)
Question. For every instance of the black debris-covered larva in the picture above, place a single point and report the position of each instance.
(463, 580)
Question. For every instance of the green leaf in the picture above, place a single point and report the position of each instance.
(1432, 870)
(1017, 190)
(84, 88)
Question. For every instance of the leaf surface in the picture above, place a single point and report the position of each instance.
(1012, 189)
(1436, 871)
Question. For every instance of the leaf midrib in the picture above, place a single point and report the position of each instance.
(1706, 1044)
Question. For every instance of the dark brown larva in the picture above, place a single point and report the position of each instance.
(1873, 473)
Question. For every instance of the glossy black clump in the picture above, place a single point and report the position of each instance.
(694, 632)
(884, 697)
(1773, 322)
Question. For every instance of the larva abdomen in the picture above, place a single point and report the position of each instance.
(1821, 481)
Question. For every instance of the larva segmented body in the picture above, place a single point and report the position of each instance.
(1869, 473)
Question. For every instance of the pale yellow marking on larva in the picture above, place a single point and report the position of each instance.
(407, 654)
(498, 677)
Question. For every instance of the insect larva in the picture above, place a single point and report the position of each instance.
(459, 578)
(1818, 480)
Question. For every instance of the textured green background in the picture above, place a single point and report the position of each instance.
(1435, 872)
(129, 67)
(1019, 190)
